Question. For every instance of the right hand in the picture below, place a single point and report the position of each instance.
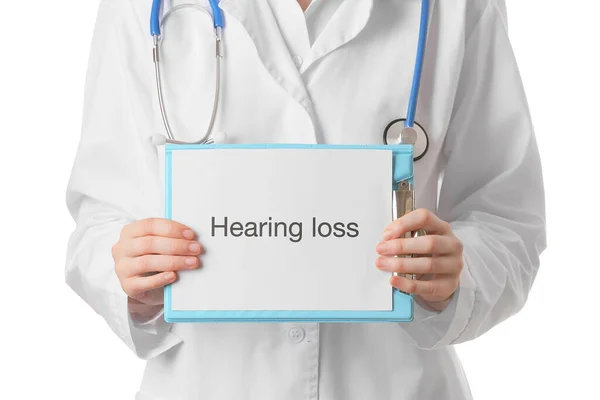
(148, 255)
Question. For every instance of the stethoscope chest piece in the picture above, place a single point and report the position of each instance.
(397, 133)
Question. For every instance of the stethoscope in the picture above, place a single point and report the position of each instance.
(399, 131)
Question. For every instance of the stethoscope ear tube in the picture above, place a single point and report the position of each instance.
(155, 26)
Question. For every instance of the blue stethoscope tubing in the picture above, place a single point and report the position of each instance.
(218, 20)
(416, 84)
(409, 134)
(411, 131)
(155, 29)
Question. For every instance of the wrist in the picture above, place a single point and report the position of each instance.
(141, 312)
(434, 306)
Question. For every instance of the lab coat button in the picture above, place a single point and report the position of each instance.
(298, 61)
(297, 334)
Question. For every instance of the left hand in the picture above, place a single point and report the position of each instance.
(438, 259)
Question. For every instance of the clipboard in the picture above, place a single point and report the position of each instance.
(402, 309)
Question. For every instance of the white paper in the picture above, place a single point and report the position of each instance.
(278, 272)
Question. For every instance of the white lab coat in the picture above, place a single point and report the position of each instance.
(482, 174)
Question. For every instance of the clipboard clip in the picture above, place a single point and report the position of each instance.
(403, 202)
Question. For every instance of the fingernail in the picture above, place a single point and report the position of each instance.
(382, 263)
(169, 276)
(387, 234)
(382, 247)
(188, 234)
(191, 261)
(195, 247)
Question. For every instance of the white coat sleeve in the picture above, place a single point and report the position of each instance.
(492, 191)
(115, 179)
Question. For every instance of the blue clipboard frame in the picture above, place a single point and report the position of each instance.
(403, 304)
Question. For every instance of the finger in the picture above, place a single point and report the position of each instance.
(419, 265)
(158, 227)
(415, 220)
(137, 286)
(433, 290)
(134, 266)
(162, 245)
(430, 244)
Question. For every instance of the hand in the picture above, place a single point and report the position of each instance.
(147, 257)
(438, 259)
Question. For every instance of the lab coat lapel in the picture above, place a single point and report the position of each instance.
(346, 24)
(258, 20)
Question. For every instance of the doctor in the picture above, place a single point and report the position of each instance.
(332, 71)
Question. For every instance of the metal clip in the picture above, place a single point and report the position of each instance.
(155, 49)
(404, 198)
(403, 203)
(219, 41)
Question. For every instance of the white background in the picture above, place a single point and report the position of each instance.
(54, 346)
